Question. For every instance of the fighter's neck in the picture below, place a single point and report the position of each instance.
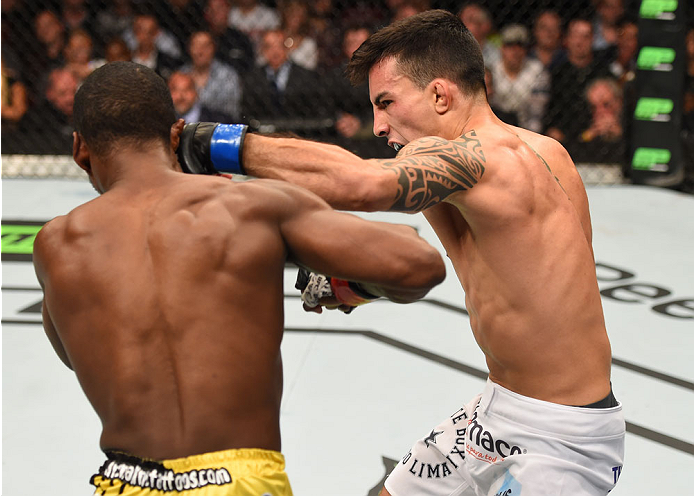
(475, 114)
(135, 169)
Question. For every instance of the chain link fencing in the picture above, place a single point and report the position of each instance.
(566, 69)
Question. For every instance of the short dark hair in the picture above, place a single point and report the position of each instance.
(123, 101)
(426, 46)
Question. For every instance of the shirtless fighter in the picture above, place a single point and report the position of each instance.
(165, 295)
(512, 213)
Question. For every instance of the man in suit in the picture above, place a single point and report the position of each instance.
(282, 94)
(187, 104)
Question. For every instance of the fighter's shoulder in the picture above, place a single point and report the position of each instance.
(278, 195)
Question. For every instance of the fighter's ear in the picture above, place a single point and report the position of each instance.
(80, 153)
(441, 95)
(175, 136)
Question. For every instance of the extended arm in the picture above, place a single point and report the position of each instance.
(425, 172)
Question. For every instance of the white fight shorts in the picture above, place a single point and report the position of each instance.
(506, 444)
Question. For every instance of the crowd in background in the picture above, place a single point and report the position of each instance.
(278, 66)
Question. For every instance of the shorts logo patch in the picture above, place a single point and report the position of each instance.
(166, 480)
(492, 450)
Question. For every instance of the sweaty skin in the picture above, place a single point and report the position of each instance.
(165, 296)
(508, 206)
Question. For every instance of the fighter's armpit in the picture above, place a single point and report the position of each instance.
(432, 168)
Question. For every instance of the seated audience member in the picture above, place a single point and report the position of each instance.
(623, 66)
(521, 84)
(548, 40)
(114, 19)
(282, 91)
(233, 47)
(408, 8)
(326, 26)
(78, 54)
(507, 117)
(49, 42)
(117, 50)
(608, 12)
(351, 104)
(602, 141)
(77, 14)
(188, 106)
(296, 24)
(181, 18)
(14, 101)
(47, 127)
(164, 42)
(218, 85)
(146, 52)
(478, 20)
(567, 113)
(253, 18)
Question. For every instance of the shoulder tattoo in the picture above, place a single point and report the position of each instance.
(433, 169)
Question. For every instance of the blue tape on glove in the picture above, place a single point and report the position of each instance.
(225, 147)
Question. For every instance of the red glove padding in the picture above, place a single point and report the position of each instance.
(350, 293)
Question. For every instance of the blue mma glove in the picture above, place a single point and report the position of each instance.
(210, 148)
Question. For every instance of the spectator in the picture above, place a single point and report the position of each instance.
(623, 67)
(146, 52)
(548, 36)
(233, 47)
(408, 8)
(521, 84)
(50, 32)
(567, 114)
(114, 19)
(602, 141)
(78, 54)
(188, 106)
(478, 20)
(77, 14)
(605, 24)
(296, 24)
(14, 101)
(354, 117)
(181, 18)
(164, 42)
(507, 117)
(218, 85)
(280, 90)
(325, 28)
(253, 18)
(117, 51)
(47, 127)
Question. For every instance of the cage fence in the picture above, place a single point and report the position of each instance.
(567, 69)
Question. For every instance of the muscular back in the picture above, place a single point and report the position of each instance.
(157, 300)
(517, 229)
(166, 299)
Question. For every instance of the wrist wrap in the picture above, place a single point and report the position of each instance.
(226, 146)
(350, 293)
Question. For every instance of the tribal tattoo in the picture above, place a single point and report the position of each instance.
(435, 168)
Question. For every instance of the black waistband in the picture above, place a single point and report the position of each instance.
(607, 402)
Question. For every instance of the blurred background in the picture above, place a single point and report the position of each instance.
(613, 80)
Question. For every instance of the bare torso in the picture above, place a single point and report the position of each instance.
(170, 306)
(520, 242)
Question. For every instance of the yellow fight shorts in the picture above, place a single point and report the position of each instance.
(242, 472)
